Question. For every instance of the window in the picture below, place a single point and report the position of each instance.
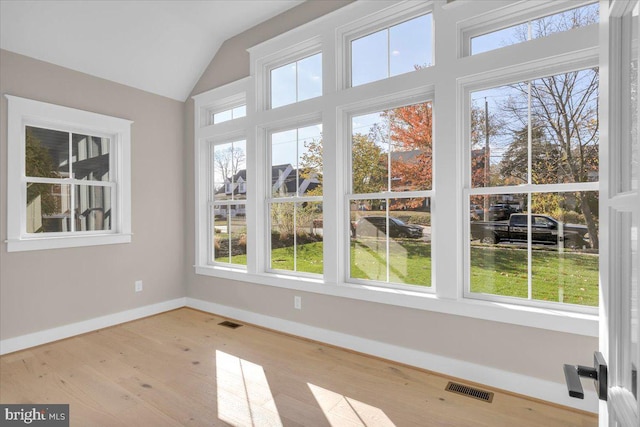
(395, 50)
(534, 182)
(383, 184)
(296, 81)
(391, 163)
(228, 206)
(69, 176)
(230, 114)
(535, 29)
(295, 201)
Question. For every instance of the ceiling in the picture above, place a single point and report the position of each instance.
(161, 47)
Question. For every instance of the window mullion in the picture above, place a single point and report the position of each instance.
(72, 212)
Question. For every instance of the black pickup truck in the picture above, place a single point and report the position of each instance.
(544, 230)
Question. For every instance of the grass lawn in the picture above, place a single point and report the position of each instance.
(409, 261)
(568, 277)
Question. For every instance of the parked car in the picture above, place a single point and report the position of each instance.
(376, 225)
(544, 230)
(501, 211)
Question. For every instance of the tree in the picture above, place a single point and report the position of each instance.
(564, 119)
(368, 165)
(228, 161)
(311, 165)
(411, 140)
(38, 163)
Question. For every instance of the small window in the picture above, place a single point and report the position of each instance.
(54, 162)
(228, 203)
(295, 202)
(395, 50)
(70, 180)
(230, 114)
(535, 29)
(296, 81)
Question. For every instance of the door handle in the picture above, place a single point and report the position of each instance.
(598, 373)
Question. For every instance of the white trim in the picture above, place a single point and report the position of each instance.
(558, 320)
(22, 342)
(505, 380)
(23, 112)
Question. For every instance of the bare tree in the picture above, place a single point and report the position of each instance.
(228, 161)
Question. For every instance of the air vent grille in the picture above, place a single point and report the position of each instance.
(476, 393)
(228, 324)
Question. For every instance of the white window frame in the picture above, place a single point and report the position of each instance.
(24, 112)
(209, 146)
(573, 62)
(382, 19)
(290, 199)
(206, 135)
(397, 100)
(511, 15)
(446, 81)
(291, 54)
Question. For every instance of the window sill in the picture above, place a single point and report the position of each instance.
(42, 243)
(533, 317)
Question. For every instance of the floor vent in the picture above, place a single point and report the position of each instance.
(476, 393)
(228, 324)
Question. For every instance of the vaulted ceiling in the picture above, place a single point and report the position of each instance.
(161, 47)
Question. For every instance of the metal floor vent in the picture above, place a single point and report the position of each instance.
(228, 324)
(476, 393)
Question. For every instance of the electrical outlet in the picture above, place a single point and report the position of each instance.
(138, 285)
(297, 303)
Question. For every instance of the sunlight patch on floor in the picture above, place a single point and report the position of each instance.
(343, 411)
(244, 396)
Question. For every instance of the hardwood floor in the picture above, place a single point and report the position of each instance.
(182, 368)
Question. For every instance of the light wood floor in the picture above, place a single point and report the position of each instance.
(182, 368)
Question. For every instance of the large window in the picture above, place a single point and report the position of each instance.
(534, 195)
(69, 174)
(416, 172)
(295, 200)
(390, 212)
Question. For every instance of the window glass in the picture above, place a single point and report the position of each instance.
(92, 207)
(392, 150)
(296, 81)
(90, 158)
(233, 113)
(395, 50)
(62, 207)
(562, 111)
(296, 162)
(568, 271)
(536, 245)
(47, 153)
(563, 242)
(542, 27)
(229, 234)
(229, 171)
(391, 240)
(296, 200)
(48, 208)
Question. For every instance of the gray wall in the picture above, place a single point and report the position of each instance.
(528, 351)
(49, 288)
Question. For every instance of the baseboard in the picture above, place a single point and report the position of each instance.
(549, 391)
(54, 334)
